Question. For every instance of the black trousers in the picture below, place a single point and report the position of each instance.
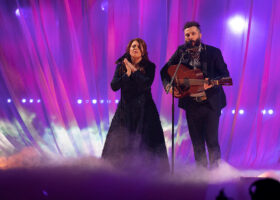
(203, 123)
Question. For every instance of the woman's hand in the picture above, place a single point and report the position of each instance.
(129, 66)
(128, 69)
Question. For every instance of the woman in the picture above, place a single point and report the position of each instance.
(135, 138)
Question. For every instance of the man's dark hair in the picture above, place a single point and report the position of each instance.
(192, 23)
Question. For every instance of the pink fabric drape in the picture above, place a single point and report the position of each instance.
(59, 52)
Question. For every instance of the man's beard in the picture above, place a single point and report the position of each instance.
(190, 44)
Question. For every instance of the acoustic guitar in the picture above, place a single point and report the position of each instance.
(191, 81)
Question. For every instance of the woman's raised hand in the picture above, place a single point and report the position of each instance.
(128, 69)
(129, 66)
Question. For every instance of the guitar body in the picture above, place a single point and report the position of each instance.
(191, 81)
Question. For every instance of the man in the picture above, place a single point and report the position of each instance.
(203, 109)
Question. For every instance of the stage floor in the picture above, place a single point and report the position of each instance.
(91, 180)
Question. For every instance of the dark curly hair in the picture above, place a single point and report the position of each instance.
(192, 23)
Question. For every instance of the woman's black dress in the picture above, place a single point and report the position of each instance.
(135, 138)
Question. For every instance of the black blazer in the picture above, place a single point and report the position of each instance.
(213, 67)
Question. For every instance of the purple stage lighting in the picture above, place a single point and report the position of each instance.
(270, 111)
(17, 12)
(241, 112)
(104, 5)
(45, 193)
(237, 24)
(60, 50)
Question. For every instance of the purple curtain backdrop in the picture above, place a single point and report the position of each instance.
(57, 61)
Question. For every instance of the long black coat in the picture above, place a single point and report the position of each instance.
(135, 134)
(213, 67)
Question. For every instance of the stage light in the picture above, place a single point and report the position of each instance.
(268, 174)
(101, 101)
(108, 101)
(9, 100)
(31, 100)
(79, 101)
(87, 101)
(241, 112)
(116, 101)
(233, 111)
(94, 101)
(104, 5)
(264, 112)
(23, 100)
(237, 24)
(270, 111)
(38, 100)
(45, 193)
(17, 12)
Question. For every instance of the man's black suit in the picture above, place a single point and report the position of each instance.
(203, 117)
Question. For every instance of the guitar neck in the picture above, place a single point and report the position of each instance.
(223, 81)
